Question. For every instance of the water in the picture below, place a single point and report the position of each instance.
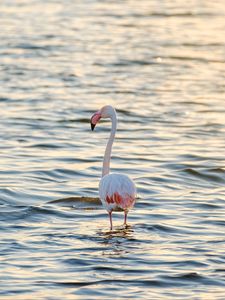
(161, 64)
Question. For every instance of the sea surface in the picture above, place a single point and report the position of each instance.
(161, 64)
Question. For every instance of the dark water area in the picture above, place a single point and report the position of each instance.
(161, 64)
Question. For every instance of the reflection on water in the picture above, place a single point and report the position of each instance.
(117, 232)
(116, 241)
(161, 64)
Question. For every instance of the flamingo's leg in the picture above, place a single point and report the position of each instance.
(110, 219)
(125, 217)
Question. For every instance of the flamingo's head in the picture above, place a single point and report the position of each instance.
(104, 112)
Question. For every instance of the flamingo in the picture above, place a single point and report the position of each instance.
(116, 191)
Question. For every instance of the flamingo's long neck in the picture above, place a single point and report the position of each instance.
(108, 149)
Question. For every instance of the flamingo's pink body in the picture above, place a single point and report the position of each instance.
(116, 191)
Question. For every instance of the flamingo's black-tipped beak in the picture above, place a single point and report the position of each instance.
(94, 120)
(92, 126)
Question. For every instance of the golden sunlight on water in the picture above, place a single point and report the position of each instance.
(161, 65)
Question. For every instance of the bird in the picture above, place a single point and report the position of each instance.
(116, 191)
